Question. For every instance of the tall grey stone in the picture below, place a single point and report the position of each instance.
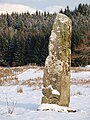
(56, 80)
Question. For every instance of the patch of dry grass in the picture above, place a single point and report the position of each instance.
(8, 76)
(80, 82)
(79, 69)
(34, 83)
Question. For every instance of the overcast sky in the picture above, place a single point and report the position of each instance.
(47, 4)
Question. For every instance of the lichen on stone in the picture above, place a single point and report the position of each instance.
(57, 66)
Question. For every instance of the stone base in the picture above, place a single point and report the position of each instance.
(55, 107)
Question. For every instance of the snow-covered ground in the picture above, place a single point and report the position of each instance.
(84, 75)
(30, 74)
(27, 102)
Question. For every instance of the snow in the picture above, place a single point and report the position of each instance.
(30, 74)
(54, 91)
(54, 107)
(80, 75)
(87, 66)
(29, 100)
(4, 8)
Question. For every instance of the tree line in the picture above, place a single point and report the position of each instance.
(24, 37)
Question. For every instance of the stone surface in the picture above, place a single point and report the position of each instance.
(56, 81)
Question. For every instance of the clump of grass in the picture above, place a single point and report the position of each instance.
(11, 104)
(19, 89)
(76, 93)
(35, 83)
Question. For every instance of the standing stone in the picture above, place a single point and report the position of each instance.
(56, 81)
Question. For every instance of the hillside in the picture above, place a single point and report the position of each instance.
(9, 8)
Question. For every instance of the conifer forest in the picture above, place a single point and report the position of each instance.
(24, 37)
